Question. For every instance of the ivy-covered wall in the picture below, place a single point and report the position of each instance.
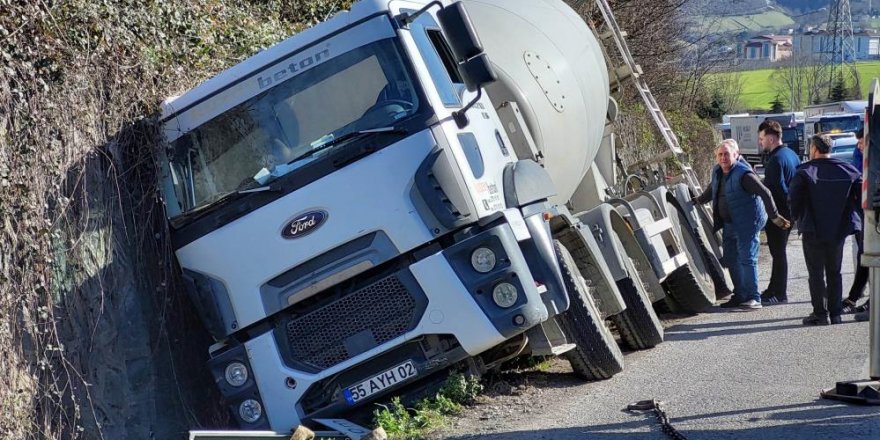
(97, 339)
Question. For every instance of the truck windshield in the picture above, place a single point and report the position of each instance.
(299, 121)
(845, 124)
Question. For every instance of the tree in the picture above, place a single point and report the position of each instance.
(801, 80)
(776, 106)
(838, 91)
(721, 93)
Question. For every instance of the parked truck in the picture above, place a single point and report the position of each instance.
(744, 129)
(835, 107)
(386, 195)
(834, 123)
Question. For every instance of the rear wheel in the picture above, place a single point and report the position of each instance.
(711, 251)
(690, 286)
(596, 354)
(684, 293)
(638, 324)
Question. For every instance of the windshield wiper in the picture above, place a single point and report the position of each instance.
(264, 188)
(229, 197)
(348, 136)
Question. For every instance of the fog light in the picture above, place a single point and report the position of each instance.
(483, 260)
(504, 295)
(250, 410)
(236, 374)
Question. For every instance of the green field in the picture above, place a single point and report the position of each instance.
(756, 22)
(759, 90)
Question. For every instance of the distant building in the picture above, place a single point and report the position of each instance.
(765, 47)
(867, 43)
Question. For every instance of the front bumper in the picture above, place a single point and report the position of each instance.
(456, 318)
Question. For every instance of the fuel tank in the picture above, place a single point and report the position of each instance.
(550, 62)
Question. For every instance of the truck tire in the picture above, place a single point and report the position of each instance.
(596, 355)
(705, 237)
(690, 286)
(716, 270)
(685, 293)
(638, 325)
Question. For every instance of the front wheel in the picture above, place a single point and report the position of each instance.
(596, 355)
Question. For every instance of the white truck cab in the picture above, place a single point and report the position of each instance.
(353, 211)
(340, 231)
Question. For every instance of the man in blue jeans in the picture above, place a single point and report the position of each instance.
(740, 205)
(824, 197)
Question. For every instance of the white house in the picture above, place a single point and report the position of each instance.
(866, 43)
(766, 47)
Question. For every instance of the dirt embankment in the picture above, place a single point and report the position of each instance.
(97, 338)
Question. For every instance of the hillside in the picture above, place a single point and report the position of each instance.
(741, 7)
(758, 15)
(97, 339)
(767, 19)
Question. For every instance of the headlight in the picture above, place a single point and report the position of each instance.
(250, 410)
(504, 295)
(483, 260)
(236, 374)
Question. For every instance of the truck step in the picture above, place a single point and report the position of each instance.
(560, 349)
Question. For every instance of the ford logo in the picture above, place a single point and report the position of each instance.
(304, 224)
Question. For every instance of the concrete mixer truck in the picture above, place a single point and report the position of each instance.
(411, 186)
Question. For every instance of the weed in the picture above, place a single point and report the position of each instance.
(404, 423)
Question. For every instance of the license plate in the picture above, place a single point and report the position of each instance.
(379, 382)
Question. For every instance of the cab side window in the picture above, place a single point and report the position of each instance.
(438, 58)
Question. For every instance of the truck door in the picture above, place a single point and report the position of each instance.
(481, 148)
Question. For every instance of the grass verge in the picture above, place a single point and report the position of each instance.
(402, 423)
(759, 88)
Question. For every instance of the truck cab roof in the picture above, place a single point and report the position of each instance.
(360, 10)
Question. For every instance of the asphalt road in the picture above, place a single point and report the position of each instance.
(722, 374)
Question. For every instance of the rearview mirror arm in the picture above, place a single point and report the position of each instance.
(405, 18)
(460, 116)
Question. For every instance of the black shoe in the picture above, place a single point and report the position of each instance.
(772, 300)
(813, 319)
(733, 303)
(836, 320)
(848, 306)
(865, 313)
(723, 295)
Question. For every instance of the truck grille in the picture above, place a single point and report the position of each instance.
(353, 324)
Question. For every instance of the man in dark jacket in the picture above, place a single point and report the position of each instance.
(778, 171)
(824, 197)
(740, 206)
(860, 280)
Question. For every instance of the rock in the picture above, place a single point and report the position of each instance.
(302, 433)
(376, 434)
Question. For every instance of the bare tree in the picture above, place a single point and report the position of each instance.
(801, 80)
(705, 53)
(726, 88)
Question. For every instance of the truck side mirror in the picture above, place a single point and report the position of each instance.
(459, 29)
(477, 71)
(473, 63)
